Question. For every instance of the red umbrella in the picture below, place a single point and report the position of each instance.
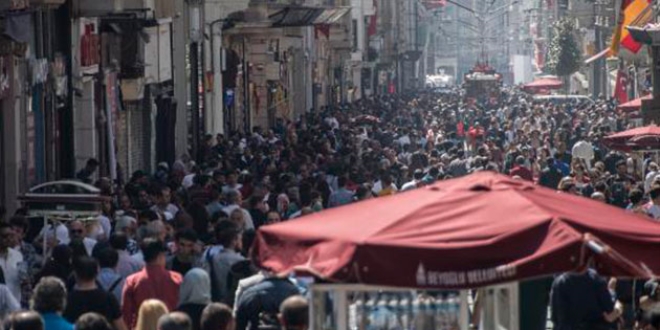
(634, 105)
(544, 84)
(640, 138)
(482, 229)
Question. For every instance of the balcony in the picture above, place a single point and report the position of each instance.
(51, 3)
(13, 4)
(95, 8)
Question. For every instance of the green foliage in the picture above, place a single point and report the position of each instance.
(564, 55)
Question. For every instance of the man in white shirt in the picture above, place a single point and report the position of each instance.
(653, 206)
(650, 176)
(11, 261)
(162, 199)
(55, 233)
(418, 175)
(235, 200)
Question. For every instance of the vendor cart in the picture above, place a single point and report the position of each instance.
(60, 201)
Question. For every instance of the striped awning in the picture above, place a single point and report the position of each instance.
(304, 16)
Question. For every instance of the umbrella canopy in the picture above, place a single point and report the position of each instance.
(482, 229)
(640, 138)
(634, 105)
(544, 84)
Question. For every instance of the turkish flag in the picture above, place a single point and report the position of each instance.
(621, 87)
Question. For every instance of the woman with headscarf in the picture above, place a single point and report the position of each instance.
(195, 295)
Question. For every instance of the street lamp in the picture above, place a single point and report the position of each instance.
(218, 64)
(195, 36)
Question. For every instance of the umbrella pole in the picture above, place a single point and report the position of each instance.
(465, 310)
(45, 240)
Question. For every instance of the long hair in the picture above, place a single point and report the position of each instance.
(150, 311)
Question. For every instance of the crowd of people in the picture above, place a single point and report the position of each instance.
(171, 249)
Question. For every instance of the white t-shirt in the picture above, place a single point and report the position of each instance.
(649, 180)
(653, 210)
(8, 303)
(89, 245)
(378, 187)
(59, 232)
(11, 264)
(188, 180)
(106, 226)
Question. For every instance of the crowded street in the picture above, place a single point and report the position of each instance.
(180, 238)
(329, 165)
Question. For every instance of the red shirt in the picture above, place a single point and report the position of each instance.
(522, 172)
(152, 282)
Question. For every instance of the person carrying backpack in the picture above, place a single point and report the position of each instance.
(108, 278)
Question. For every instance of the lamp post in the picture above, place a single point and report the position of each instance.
(195, 28)
(217, 124)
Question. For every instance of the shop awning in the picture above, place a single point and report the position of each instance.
(544, 83)
(634, 105)
(304, 16)
(534, 230)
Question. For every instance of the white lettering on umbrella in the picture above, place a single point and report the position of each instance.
(472, 277)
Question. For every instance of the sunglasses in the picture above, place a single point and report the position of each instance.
(77, 231)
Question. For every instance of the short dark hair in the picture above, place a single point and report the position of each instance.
(294, 312)
(152, 248)
(636, 196)
(119, 241)
(621, 162)
(226, 232)
(150, 215)
(255, 200)
(216, 316)
(86, 268)
(108, 258)
(19, 221)
(342, 181)
(25, 320)
(4, 225)
(157, 189)
(186, 234)
(92, 162)
(49, 296)
(654, 192)
(92, 321)
(174, 321)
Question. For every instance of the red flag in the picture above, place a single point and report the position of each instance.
(322, 29)
(434, 4)
(635, 13)
(621, 87)
(373, 21)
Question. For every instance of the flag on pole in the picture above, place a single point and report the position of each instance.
(621, 87)
(634, 13)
